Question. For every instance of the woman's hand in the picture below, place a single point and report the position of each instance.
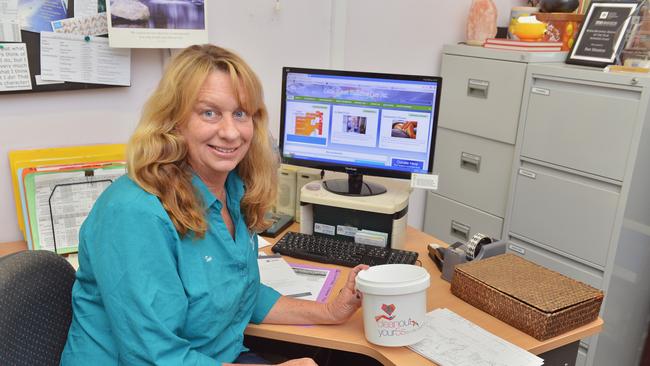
(348, 300)
(300, 362)
(295, 362)
(288, 310)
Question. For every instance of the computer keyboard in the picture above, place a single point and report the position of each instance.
(326, 250)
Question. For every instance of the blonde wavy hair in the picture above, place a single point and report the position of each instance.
(157, 152)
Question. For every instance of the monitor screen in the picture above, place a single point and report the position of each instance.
(366, 123)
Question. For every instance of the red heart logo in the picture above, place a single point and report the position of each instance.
(388, 309)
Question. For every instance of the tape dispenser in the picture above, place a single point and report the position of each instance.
(479, 246)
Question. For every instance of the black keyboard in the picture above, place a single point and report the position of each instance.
(326, 250)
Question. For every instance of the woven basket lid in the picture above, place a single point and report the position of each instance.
(528, 282)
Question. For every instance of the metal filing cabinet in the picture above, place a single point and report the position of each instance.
(477, 129)
(579, 201)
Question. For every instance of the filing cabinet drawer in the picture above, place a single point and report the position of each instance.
(581, 360)
(567, 212)
(481, 96)
(586, 128)
(473, 170)
(451, 221)
(555, 262)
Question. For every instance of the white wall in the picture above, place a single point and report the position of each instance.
(396, 36)
(63, 118)
(406, 37)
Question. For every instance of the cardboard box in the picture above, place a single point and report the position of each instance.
(531, 298)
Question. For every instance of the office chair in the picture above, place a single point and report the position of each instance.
(35, 307)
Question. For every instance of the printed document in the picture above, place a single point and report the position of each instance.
(91, 25)
(83, 59)
(14, 69)
(9, 21)
(276, 273)
(452, 340)
(62, 203)
(173, 24)
(318, 281)
(37, 15)
(84, 8)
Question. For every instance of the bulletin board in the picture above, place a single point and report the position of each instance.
(32, 41)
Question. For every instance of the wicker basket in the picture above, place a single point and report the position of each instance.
(527, 296)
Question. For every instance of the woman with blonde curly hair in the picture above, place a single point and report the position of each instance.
(168, 255)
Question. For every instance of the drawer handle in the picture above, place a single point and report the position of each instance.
(460, 230)
(478, 88)
(470, 161)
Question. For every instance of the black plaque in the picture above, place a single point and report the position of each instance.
(601, 36)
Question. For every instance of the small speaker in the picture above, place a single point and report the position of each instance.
(304, 176)
(286, 201)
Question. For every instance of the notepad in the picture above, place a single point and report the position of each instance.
(452, 340)
(276, 273)
(296, 280)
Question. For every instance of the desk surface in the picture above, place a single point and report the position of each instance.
(350, 336)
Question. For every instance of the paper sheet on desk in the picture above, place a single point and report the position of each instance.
(452, 340)
(319, 281)
(276, 273)
(261, 242)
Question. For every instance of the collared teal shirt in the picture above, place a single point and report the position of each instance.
(145, 296)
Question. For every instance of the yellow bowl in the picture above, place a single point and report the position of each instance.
(529, 31)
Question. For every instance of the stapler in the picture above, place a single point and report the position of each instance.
(437, 254)
(280, 222)
(478, 247)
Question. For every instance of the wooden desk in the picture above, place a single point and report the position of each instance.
(350, 336)
(12, 247)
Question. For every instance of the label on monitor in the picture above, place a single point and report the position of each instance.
(424, 181)
(324, 229)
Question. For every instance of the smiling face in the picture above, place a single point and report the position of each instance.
(218, 132)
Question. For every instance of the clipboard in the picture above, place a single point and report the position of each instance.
(58, 200)
(40, 158)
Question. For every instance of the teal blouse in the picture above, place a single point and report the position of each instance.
(145, 296)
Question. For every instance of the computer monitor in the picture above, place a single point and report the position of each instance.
(359, 123)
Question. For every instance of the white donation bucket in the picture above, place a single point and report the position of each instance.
(394, 303)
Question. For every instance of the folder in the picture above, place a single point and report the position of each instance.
(39, 158)
(58, 200)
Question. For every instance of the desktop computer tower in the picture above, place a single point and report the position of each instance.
(286, 200)
(304, 176)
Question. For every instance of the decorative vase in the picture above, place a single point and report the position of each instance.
(481, 22)
(558, 6)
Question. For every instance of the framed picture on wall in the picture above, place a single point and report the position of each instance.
(601, 37)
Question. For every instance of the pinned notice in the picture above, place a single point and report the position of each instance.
(9, 23)
(83, 59)
(91, 25)
(14, 69)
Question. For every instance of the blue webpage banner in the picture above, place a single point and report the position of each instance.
(402, 163)
(307, 139)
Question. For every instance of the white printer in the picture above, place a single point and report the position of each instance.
(324, 213)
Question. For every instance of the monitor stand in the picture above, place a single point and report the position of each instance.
(353, 186)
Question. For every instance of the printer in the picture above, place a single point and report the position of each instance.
(377, 220)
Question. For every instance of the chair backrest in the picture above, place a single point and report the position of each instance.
(35, 307)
